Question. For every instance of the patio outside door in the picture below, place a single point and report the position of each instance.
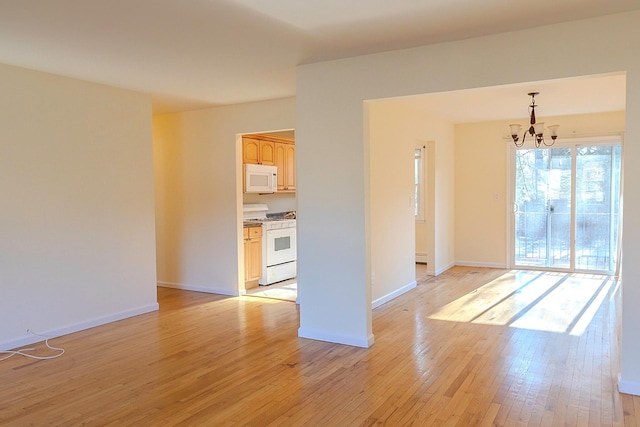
(566, 208)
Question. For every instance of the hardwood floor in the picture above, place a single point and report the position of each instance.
(470, 347)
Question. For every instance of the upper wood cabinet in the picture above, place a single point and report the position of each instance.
(272, 150)
(285, 158)
(258, 151)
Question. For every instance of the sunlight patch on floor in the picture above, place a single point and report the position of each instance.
(287, 291)
(545, 301)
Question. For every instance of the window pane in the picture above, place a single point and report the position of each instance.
(543, 197)
(597, 194)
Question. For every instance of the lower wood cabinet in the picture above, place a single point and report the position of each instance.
(252, 256)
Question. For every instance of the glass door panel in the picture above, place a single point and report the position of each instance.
(597, 200)
(543, 207)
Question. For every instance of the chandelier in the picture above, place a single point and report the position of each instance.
(535, 129)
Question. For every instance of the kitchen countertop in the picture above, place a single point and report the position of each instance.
(248, 224)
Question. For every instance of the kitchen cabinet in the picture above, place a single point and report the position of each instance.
(273, 150)
(252, 256)
(258, 151)
(285, 160)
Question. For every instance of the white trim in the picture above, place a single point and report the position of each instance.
(392, 295)
(481, 264)
(421, 257)
(364, 342)
(510, 204)
(420, 217)
(76, 327)
(628, 387)
(442, 270)
(197, 288)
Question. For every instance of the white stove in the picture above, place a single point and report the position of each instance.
(279, 249)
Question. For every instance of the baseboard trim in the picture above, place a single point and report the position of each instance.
(392, 295)
(481, 264)
(335, 338)
(184, 287)
(421, 257)
(628, 387)
(442, 270)
(76, 327)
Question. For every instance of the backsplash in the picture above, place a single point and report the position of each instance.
(283, 202)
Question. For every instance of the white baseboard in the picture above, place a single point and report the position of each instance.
(198, 289)
(382, 300)
(481, 264)
(442, 270)
(364, 342)
(628, 387)
(421, 257)
(76, 327)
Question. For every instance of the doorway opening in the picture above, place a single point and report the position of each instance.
(269, 215)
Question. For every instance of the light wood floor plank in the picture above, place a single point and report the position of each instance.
(472, 347)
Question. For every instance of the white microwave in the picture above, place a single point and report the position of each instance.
(260, 178)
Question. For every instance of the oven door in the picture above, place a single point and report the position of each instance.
(281, 246)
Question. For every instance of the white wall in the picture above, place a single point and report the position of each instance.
(199, 192)
(396, 122)
(278, 202)
(391, 146)
(334, 252)
(481, 183)
(630, 351)
(77, 221)
(442, 159)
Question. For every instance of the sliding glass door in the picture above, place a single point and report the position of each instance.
(566, 207)
(597, 202)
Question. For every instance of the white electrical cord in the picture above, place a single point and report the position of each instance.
(22, 351)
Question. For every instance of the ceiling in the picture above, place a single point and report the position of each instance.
(191, 54)
(579, 95)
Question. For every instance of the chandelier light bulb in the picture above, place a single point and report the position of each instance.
(515, 130)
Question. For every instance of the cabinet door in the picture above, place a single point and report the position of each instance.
(267, 153)
(255, 257)
(281, 163)
(252, 256)
(290, 162)
(250, 151)
(247, 260)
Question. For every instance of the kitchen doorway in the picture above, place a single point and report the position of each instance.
(269, 217)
